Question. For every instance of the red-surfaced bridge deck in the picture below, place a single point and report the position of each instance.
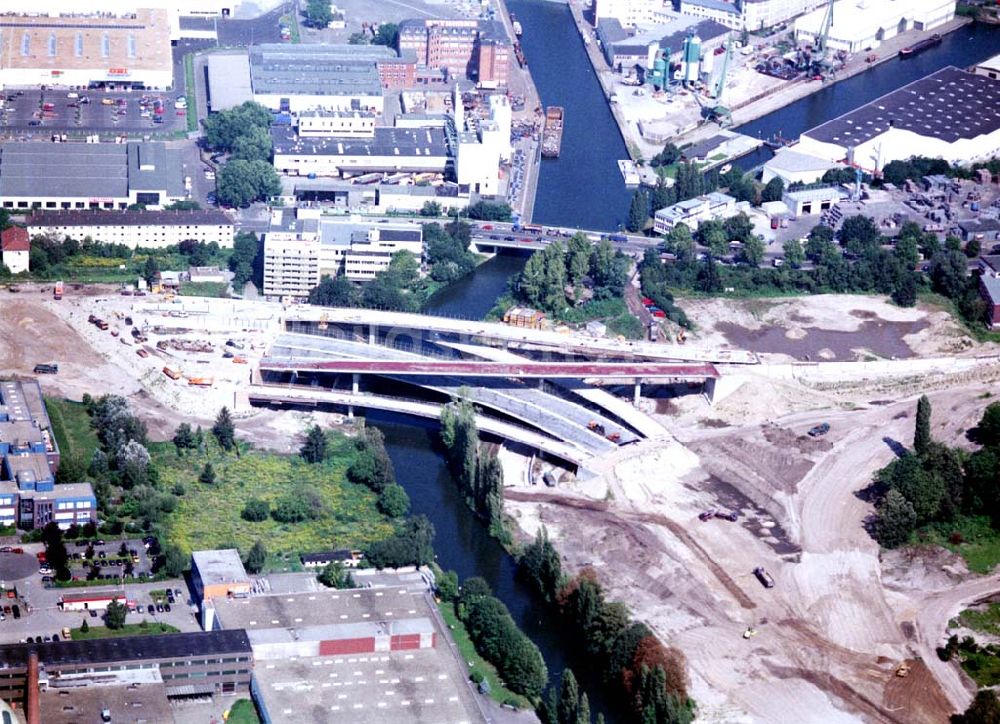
(473, 368)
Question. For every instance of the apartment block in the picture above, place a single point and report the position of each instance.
(479, 50)
(135, 229)
(693, 211)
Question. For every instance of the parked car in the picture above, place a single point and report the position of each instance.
(150, 609)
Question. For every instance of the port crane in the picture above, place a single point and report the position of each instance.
(720, 113)
(823, 41)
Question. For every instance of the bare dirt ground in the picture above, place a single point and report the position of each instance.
(840, 619)
(873, 322)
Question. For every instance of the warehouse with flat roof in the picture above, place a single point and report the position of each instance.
(858, 26)
(229, 82)
(130, 50)
(89, 175)
(950, 114)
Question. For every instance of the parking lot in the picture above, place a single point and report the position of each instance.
(34, 113)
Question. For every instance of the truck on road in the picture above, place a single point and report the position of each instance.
(764, 577)
(819, 430)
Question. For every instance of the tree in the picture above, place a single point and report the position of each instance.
(314, 448)
(318, 13)
(430, 208)
(638, 212)
(175, 561)
(774, 190)
(922, 433)
(489, 211)
(752, 251)
(253, 145)
(925, 492)
(794, 255)
(334, 575)
(984, 709)
(662, 196)
(84, 627)
(256, 558)
(568, 707)
(387, 34)
(207, 475)
(973, 248)
(713, 235)
(242, 181)
(256, 510)
(335, 291)
(246, 247)
(577, 258)
(987, 432)
(895, 520)
(151, 270)
(447, 586)
(906, 252)
(115, 615)
(225, 128)
(183, 437)
(541, 566)
(224, 430)
(905, 293)
(859, 233)
(55, 550)
(393, 501)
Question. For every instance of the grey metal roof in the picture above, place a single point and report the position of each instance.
(91, 170)
(129, 648)
(228, 81)
(720, 5)
(202, 217)
(947, 105)
(317, 69)
(152, 167)
(219, 566)
(985, 223)
(992, 286)
(429, 142)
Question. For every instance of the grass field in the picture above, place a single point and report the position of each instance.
(204, 289)
(71, 427)
(243, 712)
(129, 629)
(980, 546)
(208, 516)
(985, 620)
(475, 662)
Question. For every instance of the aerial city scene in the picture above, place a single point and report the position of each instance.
(507, 361)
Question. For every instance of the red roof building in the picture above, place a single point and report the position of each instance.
(15, 239)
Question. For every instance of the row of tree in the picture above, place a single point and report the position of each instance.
(373, 469)
(398, 288)
(497, 637)
(933, 483)
(649, 678)
(476, 470)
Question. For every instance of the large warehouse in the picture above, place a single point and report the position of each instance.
(950, 114)
(89, 175)
(131, 50)
(860, 25)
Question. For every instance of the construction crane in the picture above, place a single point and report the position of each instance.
(720, 83)
(823, 41)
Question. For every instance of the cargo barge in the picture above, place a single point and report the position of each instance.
(516, 25)
(552, 132)
(921, 46)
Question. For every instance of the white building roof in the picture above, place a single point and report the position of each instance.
(860, 19)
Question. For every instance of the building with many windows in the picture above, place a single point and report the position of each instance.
(126, 49)
(300, 248)
(478, 50)
(135, 229)
(724, 12)
(693, 211)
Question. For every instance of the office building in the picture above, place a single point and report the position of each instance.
(724, 12)
(217, 573)
(693, 211)
(89, 175)
(630, 13)
(478, 50)
(761, 14)
(135, 229)
(131, 49)
(300, 248)
(950, 114)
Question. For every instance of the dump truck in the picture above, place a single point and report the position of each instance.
(46, 369)
(171, 373)
(764, 577)
(57, 290)
(201, 381)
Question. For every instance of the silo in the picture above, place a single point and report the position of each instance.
(691, 58)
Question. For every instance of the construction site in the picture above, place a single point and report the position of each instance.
(734, 527)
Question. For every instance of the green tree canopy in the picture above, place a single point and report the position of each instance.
(393, 501)
(314, 448)
(224, 430)
(115, 615)
(256, 558)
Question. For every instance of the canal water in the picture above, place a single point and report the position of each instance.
(472, 296)
(583, 188)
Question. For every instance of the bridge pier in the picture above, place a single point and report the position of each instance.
(372, 333)
(355, 382)
(637, 394)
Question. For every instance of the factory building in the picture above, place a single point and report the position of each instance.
(346, 124)
(395, 150)
(477, 50)
(760, 14)
(15, 249)
(950, 114)
(630, 13)
(793, 166)
(300, 248)
(373, 198)
(860, 25)
(135, 229)
(131, 50)
(296, 78)
(89, 175)
(626, 52)
(217, 573)
(990, 68)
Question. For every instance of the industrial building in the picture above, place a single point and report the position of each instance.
(128, 50)
(989, 288)
(300, 248)
(41, 677)
(693, 211)
(373, 198)
(135, 229)
(804, 202)
(229, 83)
(760, 14)
(218, 573)
(724, 12)
(989, 67)
(364, 656)
(793, 166)
(630, 13)
(89, 175)
(478, 50)
(859, 25)
(396, 150)
(15, 249)
(297, 78)
(950, 114)
(345, 124)
(625, 51)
